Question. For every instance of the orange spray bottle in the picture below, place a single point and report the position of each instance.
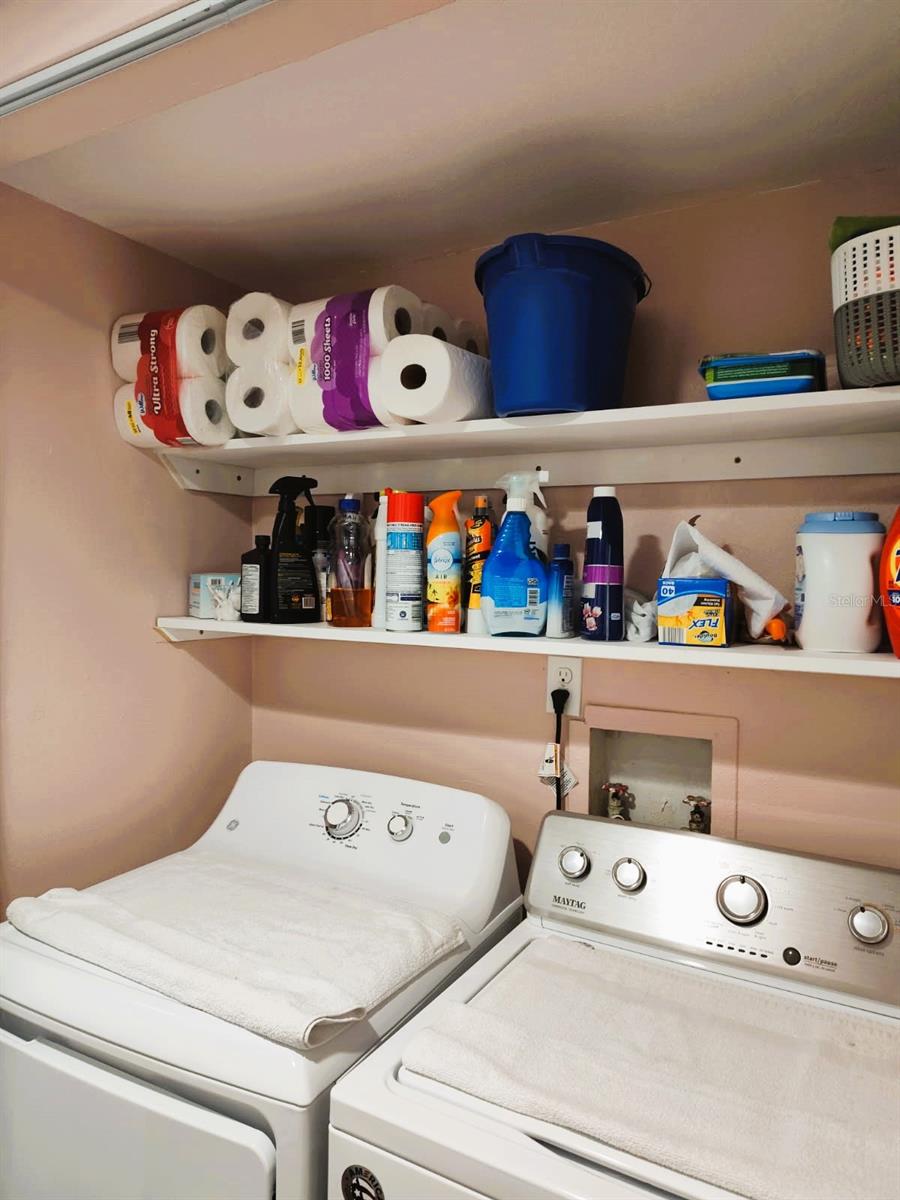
(889, 582)
(443, 594)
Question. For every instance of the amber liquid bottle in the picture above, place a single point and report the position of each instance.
(350, 593)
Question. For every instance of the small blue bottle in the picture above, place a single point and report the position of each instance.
(559, 593)
(603, 590)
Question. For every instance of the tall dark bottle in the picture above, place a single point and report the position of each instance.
(294, 589)
(255, 581)
(603, 590)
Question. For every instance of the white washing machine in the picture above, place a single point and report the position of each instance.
(112, 1090)
(678, 1016)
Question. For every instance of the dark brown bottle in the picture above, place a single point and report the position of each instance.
(255, 581)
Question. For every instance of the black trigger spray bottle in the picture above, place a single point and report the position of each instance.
(293, 586)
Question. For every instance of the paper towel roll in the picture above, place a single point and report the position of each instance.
(199, 343)
(469, 337)
(202, 404)
(258, 399)
(258, 330)
(128, 419)
(438, 323)
(393, 312)
(424, 379)
(376, 399)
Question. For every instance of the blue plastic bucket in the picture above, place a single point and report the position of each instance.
(559, 314)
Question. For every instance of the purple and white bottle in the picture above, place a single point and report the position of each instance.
(603, 585)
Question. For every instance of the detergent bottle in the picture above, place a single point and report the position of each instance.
(528, 484)
(514, 582)
(443, 594)
(889, 582)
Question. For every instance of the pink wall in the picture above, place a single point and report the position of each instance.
(115, 747)
(740, 272)
(97, 540)
(818, 757)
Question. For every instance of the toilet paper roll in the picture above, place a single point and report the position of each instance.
(128, 419)
(469, 337)
(438, 323)
(376, 398)
(424, 379)
(258, 399)
(199, 343)
(258, 329)
(392, 312)
(202, 404)
(306, 406)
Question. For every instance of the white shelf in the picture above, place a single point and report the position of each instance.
(821, 433)
(756, 658)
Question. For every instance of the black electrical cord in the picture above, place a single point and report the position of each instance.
(559, 698)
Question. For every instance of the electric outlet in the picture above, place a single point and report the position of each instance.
(565, 673)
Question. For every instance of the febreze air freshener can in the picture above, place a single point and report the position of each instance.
(444, 552)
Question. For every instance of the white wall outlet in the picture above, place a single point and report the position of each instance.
(565, 673)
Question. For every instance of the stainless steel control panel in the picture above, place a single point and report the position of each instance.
(825, 922)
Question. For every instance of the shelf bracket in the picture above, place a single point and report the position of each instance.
(201, 475)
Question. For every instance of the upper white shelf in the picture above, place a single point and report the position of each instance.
(758, 658)
(821, 433)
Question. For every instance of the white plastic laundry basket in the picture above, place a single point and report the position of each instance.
(865, 266)
(865, 293)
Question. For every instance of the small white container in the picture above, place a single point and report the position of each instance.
(835, 584)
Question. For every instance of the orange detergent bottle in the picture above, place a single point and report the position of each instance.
(889, 582)
(443, 593)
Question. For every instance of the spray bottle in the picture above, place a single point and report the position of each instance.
(443, 546)
(315, 534)
(514, 584)
(294, 589)
(528, 484)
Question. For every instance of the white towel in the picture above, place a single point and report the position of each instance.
(768, 1094)
(640, 617)
(290, 957)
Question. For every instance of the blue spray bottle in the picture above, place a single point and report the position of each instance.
(514, 583)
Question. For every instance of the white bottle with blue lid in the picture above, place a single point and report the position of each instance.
(836, 582)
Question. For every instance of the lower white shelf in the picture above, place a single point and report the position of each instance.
(755, 658)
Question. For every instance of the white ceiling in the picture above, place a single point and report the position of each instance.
(487, 117)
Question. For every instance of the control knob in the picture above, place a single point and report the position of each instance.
(741, 899)
(868, 924)
(399, 827)
(342, 818)
(574, 862)
(629, 875)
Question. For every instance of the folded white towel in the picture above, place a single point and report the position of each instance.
(764, 1093)
(294, 959)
